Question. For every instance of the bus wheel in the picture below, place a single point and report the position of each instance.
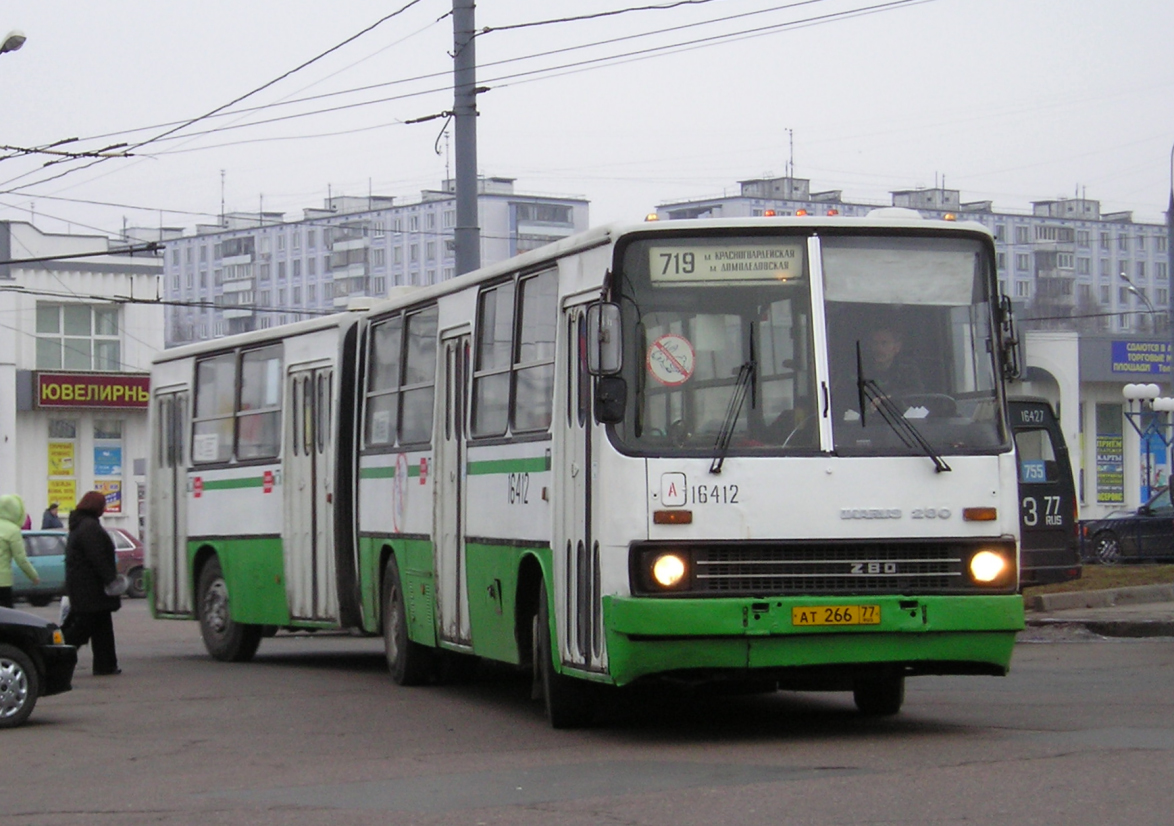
(879, 695)
(570, 703)
(409, 662)
(225, 639)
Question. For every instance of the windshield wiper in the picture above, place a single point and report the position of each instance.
(870, 393)
(742, 387)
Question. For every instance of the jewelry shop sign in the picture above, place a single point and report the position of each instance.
(119, 390)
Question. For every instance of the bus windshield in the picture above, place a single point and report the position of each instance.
(720, 346)
(713, 324)
(910, 343)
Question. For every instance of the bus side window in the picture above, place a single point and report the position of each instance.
(324, 382)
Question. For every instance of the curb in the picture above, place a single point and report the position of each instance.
(1109, 628)
(1135, 595)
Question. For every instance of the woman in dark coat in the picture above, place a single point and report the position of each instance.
(89, 569)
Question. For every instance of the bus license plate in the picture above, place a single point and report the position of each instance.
(836, 615)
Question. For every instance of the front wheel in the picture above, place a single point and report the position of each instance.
(880, 695)
(409, 662)
(570, 703)
(225, 638)
(1107, 548)
(39, 600)
(19, 686)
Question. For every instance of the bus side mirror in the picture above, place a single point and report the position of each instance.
(605, 355)
(611, 395)
(1010, 353)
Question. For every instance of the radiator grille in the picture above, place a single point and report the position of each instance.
(815, 568)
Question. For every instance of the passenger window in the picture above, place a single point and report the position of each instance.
(534, 362)
(491, 374)
(382, 418)
(213, 423)
(419, 377)
(259, 418)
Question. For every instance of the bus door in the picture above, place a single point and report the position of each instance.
(308, 488)
(582, 628)
(1049, 540)
(169, 489)
(452, 592)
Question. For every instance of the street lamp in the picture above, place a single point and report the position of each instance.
(12, 41)
(1146, 413)
(1140, 293)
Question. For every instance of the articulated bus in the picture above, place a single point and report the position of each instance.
(670, 450)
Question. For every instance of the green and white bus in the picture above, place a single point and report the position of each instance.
(670, 450)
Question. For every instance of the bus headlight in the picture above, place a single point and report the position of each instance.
(668, 570)
(990, 568)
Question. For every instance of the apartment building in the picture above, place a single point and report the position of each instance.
(256, 270)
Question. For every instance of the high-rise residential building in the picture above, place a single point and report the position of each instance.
(256, 270)
(1065, 264)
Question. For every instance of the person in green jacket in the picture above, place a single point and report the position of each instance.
(12, 546)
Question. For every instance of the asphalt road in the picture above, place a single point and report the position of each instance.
(315, 732)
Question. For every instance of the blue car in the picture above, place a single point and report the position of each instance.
(46, 550)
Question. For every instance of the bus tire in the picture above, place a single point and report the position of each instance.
(409, 662)
(570, 703)
(226, 639)
(20, 686)
(879, 695)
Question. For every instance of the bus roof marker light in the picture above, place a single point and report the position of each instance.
(949, 216)
(833, 211)
(652, 216)
(769, 213)
(800, 212)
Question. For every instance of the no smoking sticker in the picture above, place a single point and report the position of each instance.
(671, 360)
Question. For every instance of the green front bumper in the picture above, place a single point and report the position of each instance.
(741, 636)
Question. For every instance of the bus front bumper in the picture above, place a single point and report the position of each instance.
(751, 638)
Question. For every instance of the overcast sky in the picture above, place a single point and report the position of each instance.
(1006, 100)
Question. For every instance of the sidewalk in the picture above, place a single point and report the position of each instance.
(1141, 611)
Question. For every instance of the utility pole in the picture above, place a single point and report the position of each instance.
(468, 233)
(1170, 268)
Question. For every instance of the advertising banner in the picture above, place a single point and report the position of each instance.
(1141, 358)
(1110, 469)
(108, 461)
(61, 459)
(64, 492)
(112, 490)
